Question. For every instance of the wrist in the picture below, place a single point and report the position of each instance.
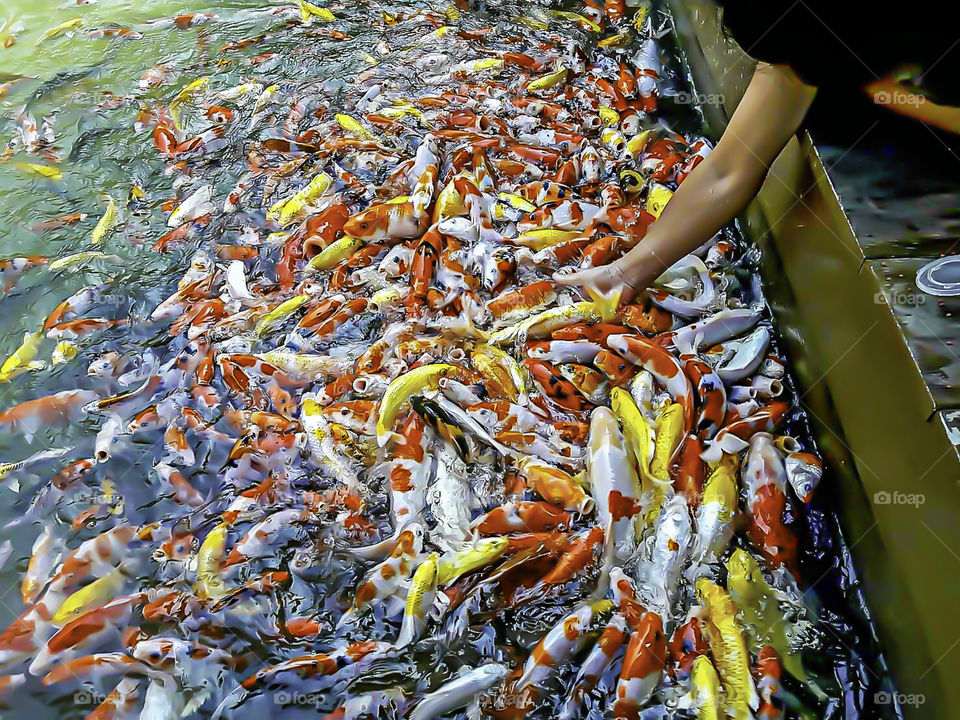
(634, 267)
(643, 265)
(623, 274)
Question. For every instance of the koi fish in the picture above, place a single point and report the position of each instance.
(728, 649)
(758, 603)
(22, 359)
(765, 481)
(565, 639)
(458, 692)
(643, 664)
(613, 483)
(420, 597)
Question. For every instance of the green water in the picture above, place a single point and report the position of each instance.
(89, 87)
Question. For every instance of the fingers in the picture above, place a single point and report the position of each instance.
(576, 278)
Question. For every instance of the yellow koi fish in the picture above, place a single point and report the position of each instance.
(638, 143)
(657, 199)
(22, 359)
(399, 391)
(584, 22)
(728, 649)
(64, 352)
(287, 210)
(89, 596)
(759, 606)
(479, 65)
(420, 597)
(209, 560)
(551, 80)
(456, 563)
(502, 369)
(278, 314)
(608, 116)
(60, 29)
(44, 171)
(81, 258)
(615, 41)
(353, 127)
(705, 695)
(308, 11)
(306, 364)
(188, 93)
(638, 434)
(669, 435)
(334, 253)
(543, 238)
(542, 324)
(449, 202)
(105, 224)
(517, 202)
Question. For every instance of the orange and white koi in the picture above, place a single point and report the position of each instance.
(555, 486)
(765, 482)
(11, 269)
(613, 483)
(84, 633)
(733, 437)
(643, 664)
(523, 516)
(711, 395)
(554, 386)
(591, 383)
(519, 304)
(602, 656)
(767, 674)
(44, 557)
(60, 408)
(566, 638)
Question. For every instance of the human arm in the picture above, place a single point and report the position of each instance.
(887, 91)
(720, 187)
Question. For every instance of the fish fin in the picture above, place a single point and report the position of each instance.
(687, 345)
(606, 302)
(441, 604)
(473, 708)
(753, 698)
(195, 701)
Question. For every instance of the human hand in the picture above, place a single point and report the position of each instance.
(605, 280)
